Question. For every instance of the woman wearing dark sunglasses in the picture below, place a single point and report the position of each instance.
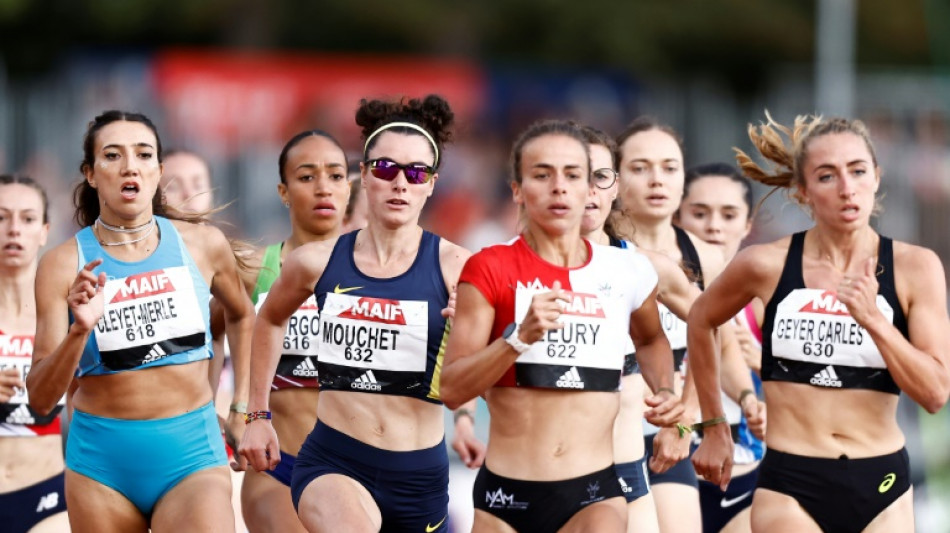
(376, 458)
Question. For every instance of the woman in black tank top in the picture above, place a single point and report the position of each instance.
(650, 160)
(852, 318)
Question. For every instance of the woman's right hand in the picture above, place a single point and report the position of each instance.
(259, 445)
(542, 314)
(9, 383)
(85, 297)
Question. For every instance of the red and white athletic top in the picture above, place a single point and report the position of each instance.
(587, 354)
(16, 417)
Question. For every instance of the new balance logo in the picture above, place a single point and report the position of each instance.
(155, 354)
(20, 415)
(570, 380)
(48, 502)
(826, 378)
(366, 382)
(305, 369)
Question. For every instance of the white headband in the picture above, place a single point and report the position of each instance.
(409, 125)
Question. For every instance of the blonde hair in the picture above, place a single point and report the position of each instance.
(788, 154)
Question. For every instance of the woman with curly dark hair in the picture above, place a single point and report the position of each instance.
(376, 458)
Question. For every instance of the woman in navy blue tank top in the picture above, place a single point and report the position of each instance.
(852, 318)
(376, 458)
(144, 448)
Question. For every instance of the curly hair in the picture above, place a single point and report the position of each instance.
(431, 113)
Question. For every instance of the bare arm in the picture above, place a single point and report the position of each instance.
(743, 279)
(300, 271)
(656, 363)
(921, 366)
(59, 345)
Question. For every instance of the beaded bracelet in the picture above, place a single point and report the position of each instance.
(256, 415)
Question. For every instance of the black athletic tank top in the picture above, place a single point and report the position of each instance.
(691, 263)
(808, 336)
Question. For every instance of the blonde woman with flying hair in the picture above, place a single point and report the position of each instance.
(852, 318)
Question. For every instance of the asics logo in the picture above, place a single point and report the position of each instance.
(887, 483)
(430, 528)
(338, 290)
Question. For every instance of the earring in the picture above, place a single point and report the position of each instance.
(287, 205)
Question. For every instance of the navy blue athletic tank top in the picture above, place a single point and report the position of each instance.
(382, 335)
(808, 336)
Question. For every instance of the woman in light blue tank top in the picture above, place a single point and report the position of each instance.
(130, 332)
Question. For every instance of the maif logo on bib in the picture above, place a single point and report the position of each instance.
(143, 285)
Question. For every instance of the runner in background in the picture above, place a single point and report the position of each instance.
(315, 191)
(32, 495)
(717, 206)
(650, 159)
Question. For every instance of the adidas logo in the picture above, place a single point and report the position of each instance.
(366, 382)
(305, 369)
(570, 380)
(155, 354)
(826, 378)
(20, 415)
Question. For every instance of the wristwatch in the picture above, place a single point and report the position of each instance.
(511, 337)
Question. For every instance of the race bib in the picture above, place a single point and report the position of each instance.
(374, 333)
(149, 317)
(16, 351)
(586, 340)
(300, 339)
(812, 326)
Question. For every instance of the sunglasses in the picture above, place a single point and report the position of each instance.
(603, 178)
(387, 170)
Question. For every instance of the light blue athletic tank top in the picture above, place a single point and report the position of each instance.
(155, 310)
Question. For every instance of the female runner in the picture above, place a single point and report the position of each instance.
(540, 330)
(852, 318)
(376, 458)
(651, 188)
(315, 190)
(133, 325)
(32, 496)
(717, 206)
